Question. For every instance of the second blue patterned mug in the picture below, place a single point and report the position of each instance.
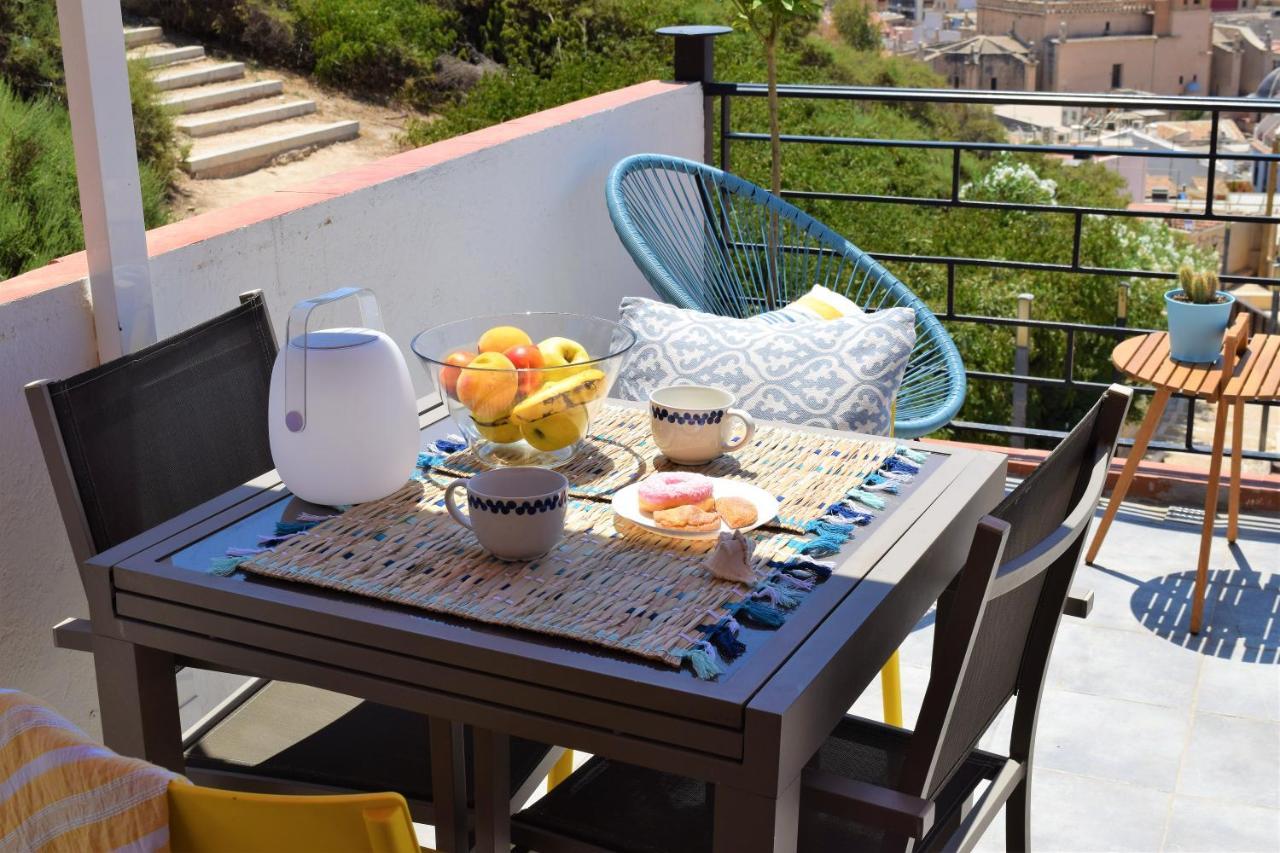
(515, 513)
(693, 424)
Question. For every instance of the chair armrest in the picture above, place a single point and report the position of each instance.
(77, 635)
(1079, 605)
(885, 808)
(74, 634)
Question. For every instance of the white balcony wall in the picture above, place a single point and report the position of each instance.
(519, 224)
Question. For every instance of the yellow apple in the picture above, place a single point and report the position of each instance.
(501, 431)
(487, 386)
(557, 431)
(503, 338)
(562, 357)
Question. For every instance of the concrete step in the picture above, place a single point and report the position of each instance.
(214, 97)
(138, 36)
(200, 74)
(240, 153)
(237, 118)
(160, 55)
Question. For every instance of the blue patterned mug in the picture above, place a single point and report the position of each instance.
(515, 513)
(693, 424)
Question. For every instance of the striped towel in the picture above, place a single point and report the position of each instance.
(59, 790)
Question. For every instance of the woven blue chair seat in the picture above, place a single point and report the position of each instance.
(701, 237)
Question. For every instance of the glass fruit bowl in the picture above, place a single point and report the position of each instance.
(523, 388)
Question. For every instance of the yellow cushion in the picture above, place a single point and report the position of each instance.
(826, 303)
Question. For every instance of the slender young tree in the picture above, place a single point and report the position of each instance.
(766, 19)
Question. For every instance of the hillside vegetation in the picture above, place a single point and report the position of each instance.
(474, 63)
(39, 201)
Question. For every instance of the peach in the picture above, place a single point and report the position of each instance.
(456, 360)
(503, 338)
(488, 386)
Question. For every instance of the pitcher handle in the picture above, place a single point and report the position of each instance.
(295, 357)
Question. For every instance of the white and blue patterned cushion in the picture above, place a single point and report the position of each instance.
(840, 374)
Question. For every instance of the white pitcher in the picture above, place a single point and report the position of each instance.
(343, 415)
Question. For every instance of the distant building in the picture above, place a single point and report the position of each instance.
(1161, 46)
(1241, 59)
(1165, 178)
(985, 62)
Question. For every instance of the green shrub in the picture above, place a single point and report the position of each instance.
(153, 130)
(376, 46)
(853, 22)
(30, 61)
(39, 201)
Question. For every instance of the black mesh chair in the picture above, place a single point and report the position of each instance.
(134, 442)
(872, 786)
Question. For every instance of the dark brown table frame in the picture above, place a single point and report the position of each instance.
(749, 733)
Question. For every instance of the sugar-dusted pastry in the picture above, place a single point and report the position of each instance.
(667, 489)
(688, 518)
(731, 559)
(737, 512)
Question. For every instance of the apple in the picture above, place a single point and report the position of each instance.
(488, 387)
(557, 431)
(457, 360)
(528, 359)
(502, 338)
(566, 356)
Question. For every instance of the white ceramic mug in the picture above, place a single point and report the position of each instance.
(515, 513)
(692, 424)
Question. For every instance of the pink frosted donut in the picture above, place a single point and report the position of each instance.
(667, 489)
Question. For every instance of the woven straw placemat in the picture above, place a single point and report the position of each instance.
(805, 471)
(608, 582)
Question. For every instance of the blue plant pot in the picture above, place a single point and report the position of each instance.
(1195, 331)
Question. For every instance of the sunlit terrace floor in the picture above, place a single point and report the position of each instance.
(1152, 738)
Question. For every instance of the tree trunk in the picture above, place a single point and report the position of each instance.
(775, 170)
(775, 143)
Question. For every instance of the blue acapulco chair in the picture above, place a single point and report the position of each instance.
(699, 235)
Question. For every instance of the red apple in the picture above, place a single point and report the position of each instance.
(457, 360)
(528, 359)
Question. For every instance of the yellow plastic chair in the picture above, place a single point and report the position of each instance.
(209, 820)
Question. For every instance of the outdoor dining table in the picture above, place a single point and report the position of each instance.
(749, 732)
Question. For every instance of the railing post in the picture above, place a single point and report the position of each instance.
(694, 62)
(1021, 367)
(1122, 303)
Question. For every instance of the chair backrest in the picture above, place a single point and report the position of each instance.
(709, 240)
(136, 441)
(209, 820)
(1234, 342)
(999, 628)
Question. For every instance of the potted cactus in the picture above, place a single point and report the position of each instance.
(1199, 314)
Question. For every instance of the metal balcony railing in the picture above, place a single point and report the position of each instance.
(694, 63)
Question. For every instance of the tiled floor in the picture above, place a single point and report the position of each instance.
(1151, 738)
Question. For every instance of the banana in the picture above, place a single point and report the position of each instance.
(576, 390)
(501, 431)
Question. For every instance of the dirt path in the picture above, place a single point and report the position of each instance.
(380, 131)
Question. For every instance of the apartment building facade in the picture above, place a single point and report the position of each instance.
(1160, 46)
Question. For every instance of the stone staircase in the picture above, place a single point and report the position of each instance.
(237, 124)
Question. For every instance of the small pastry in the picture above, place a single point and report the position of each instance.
(687, 518)
(667, 489)
(731, 560)
(737, 512)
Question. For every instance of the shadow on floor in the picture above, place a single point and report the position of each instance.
(1242, 611)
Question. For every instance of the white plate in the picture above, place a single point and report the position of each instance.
(626, 503)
